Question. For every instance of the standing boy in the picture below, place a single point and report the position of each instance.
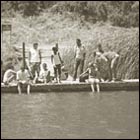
(57, 62)
(35, 61)
(80, 54)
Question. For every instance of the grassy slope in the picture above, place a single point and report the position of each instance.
(48, 29)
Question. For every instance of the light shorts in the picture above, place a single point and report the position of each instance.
(93, 80)
(21, 83)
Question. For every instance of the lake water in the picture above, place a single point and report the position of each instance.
(70, 115)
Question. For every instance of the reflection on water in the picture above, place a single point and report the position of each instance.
(70, 115)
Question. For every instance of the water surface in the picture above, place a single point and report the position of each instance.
(70, 115)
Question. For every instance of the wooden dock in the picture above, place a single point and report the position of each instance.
(68, 86)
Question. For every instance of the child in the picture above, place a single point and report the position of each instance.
(23, 78)
(44, 74)
(112, 60)
(56, 61)
(9, 75)
(93, 76)
(35, 61)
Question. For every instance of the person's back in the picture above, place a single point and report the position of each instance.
(9, 76)
(112, 58)
(110, 55)
(94, 76)
(93, 71)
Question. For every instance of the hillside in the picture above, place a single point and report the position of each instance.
(49, 28)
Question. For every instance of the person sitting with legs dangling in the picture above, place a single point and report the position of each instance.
(93, 76)
(23, 78)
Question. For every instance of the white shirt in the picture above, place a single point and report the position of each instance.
(23, 76)
(80, 52)
(8, 74)
(43, 73)
(56, 59)
(34, 55)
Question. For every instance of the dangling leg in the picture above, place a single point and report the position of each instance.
(92, 88)
(113, 67)
(19, 88)
(110, 72)
(28, 89)
(98, 87)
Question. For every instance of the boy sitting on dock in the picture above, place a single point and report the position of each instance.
(93, 76)
(9, 75)
(44, 74)
(23, 78)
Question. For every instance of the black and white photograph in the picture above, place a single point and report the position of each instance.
(69, 69)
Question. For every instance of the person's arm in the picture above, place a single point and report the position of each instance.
(75, 51)
(40, 57)
(87, 70)
(84, 54)
(52, 59)
(60, 58)
(14, 72)
(104, 58)
(117, 55)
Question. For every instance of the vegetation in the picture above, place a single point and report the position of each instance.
(50, 22)
(119, 13)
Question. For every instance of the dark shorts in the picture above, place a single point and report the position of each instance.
(35, 67)
(57, 69)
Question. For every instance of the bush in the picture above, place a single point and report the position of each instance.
(120, 13)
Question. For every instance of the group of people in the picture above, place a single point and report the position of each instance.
(32, 70)
(93, 72)
(35, 71)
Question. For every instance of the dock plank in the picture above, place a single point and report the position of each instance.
(75, 86)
